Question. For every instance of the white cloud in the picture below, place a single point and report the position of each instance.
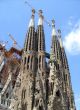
(77, 101)
(71, 20)
(70, 23)
(72, 40)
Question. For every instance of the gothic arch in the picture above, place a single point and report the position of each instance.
(23, 93)
(24, 106)
(28, 60)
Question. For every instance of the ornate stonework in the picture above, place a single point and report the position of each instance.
(41, 84)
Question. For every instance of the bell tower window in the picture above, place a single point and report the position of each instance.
(28, 60)
(58, 93)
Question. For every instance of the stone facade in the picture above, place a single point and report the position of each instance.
(41, 84)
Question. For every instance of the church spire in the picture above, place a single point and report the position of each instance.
(53, 28)
(30, 46)
(29, 65)
(41, 41)
(40, 21)
(41, 59)
(40, 33)
(59, 38)
(53, 54)
(30, 42)
(31, 23)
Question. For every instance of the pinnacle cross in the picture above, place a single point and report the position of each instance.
(53, 28)
(59, 32)
(53, 23)
(40, 12)
(40, 22)
(33, 12)
(31, 23)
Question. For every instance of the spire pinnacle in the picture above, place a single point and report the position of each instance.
(59, 37)
(53, 23)
(53, 28)
(40, 22)
(31, 23)
(33, 12)
(59, 32)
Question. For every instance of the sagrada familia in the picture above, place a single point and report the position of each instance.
(31, 82)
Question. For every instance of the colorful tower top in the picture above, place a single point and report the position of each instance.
(40, 33)
(53, 44)
(40, 22)
(53, 28)
(59, 38)
(30, 37)
(31, 23)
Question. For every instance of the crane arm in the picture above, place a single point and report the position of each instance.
(12, 39)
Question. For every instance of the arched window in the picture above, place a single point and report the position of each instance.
(24, 60)
(31, 61)
(40, 39)
(65, 77)
(7, 95)
(58, 93)
(54, 47)
(30, 43)
(24, 106)
(58, 66)
(27, 42)
(23, 93)
(39, 62)
(52, 87)
(42, 62)
(36, 62)
(40, 107)
(28, 60)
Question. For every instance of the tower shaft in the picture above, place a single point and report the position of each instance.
(44, 85)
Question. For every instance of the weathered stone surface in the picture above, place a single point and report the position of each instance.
(39, 85)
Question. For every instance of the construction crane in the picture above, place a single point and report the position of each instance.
(4, 53)
(14, 41)
(9, 53)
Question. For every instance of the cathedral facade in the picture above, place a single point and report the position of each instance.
(40, 84)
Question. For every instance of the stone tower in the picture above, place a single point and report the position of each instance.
(43, 85)
(33, 77)
(29, 66)
(60, 89)
(40, 84)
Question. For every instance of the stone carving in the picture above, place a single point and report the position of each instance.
(41, 85)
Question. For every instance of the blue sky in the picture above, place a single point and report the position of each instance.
(14, 19)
